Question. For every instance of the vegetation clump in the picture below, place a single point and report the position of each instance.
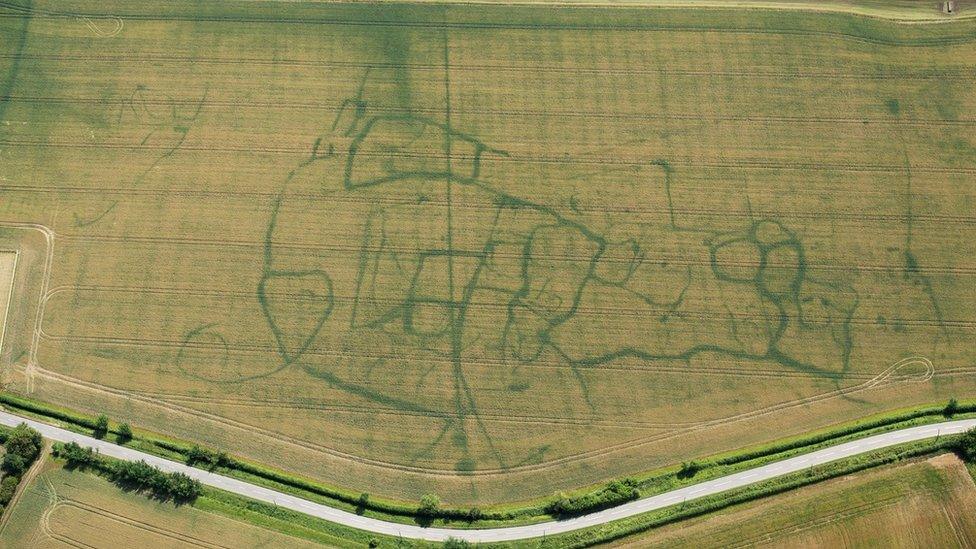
(966, 447)
(211, 459)
(23, 446)
(138, 475)
(613, 494)
(124, 433)
(101, 426)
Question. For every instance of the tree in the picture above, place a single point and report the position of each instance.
(75, 454)
(25, 442)
(967, 445)
(559, 505)
(195, 454)
(7, 488)
(362, 503)
(14, 464)
(689, 469)
(951, 408)
(125, 433)
(429, 505)
(101, 426)
(182, 487)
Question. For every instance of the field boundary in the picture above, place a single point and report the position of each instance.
(5, 300)
(588, 499)
(805, 469)
(932, 16)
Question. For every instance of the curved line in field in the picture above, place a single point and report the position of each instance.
(884, 378)
(90, 22)
(34, 369)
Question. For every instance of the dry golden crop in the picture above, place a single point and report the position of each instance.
(487, 251)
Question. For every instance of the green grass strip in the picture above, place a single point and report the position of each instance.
(540, 509)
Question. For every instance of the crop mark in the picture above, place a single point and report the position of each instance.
(539, 297)
(92, 23)
(912, 270)
(80, 223)
(20, 45)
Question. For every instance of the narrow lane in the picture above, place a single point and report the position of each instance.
(715, 486)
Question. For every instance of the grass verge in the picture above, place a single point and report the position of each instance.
(578, 502)
(331, 534)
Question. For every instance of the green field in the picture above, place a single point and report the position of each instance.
(920, 504)
(486, 251)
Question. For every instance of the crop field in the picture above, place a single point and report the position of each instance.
(8, 261)
(921, 504)
(62, 509)
(486, 251)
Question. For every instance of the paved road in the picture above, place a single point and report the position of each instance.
(673, 497)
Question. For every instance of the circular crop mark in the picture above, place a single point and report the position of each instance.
(736, 260)
(768, 233)
(204, 354)
(427, 317)
(782, 269)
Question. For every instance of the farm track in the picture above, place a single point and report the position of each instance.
(374, 410)
(884, 378)
(268, 349)
(967, 73)
(736, 480)
(819, 522)
(61, 502)
(19, 12)
(578, 113)
(663, 213)
(588, 160)
(670, 261)
(585, 310)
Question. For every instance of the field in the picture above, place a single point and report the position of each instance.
(486, 251)
(8, 262)
(61, 508)
(921, 504)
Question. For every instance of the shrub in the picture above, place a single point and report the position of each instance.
(429, 504)
(209, 458)
(7, 488)
(474, 514)
(125, 433)
(14, 464)
(967, 445)
(455, 543)
(144, 476)
(75, 454)
(614, 493)
(951, 408)
(101, 426)
(182, 487)
(373, 543)
(25, 442)
(689, 469)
